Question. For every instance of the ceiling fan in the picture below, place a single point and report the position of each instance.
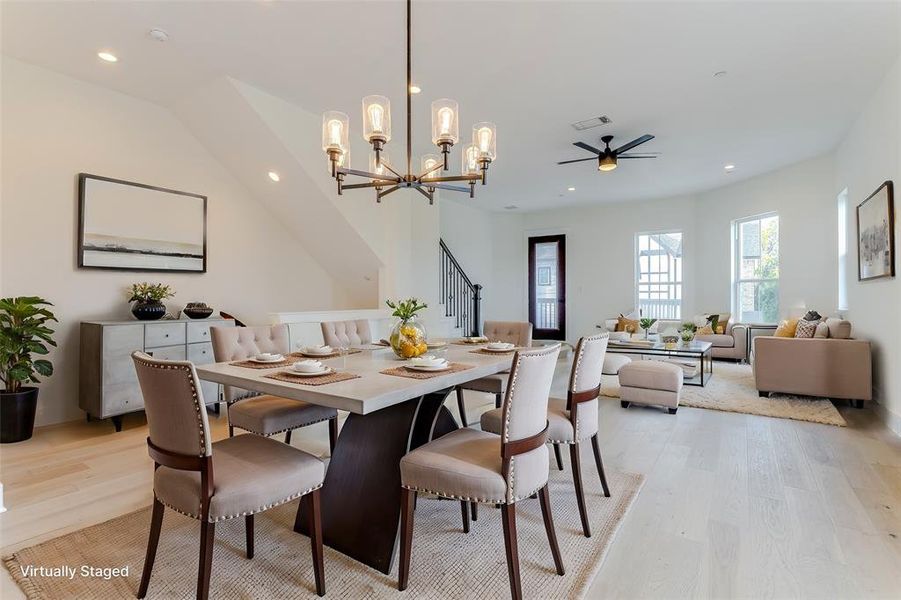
(607, 157)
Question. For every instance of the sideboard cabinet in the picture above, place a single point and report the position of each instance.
(108, 384)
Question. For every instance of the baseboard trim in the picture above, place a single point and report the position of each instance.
(890, 419)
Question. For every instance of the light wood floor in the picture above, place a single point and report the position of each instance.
(733, 505)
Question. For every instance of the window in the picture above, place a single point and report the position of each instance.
(658, 273)
(843, 250)
(755, 297)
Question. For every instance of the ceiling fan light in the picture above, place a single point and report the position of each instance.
(606, 163)
(376, 119)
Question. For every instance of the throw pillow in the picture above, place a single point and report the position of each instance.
(713, 321)
(705, 330)
(839, 328)
(787, 328)
(806, 329)
(812, 315)
(625, 324)
(822, 330)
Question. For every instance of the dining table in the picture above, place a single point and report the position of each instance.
(389, 415)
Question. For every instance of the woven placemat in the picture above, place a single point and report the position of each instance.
(405, 372)
(495, 352)
(300, 354)
(249, 364)
(333, 377)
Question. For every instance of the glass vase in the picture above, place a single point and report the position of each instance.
(408, 338)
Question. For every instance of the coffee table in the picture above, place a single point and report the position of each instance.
(694, 350)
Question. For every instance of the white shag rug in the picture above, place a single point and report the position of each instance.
(732, 389)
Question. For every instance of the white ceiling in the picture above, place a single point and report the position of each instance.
(798, 74)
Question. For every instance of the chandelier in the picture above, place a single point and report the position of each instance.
(382, 175)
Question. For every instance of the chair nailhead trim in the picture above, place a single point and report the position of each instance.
(470, 498)
(245, 513)
(283, 430)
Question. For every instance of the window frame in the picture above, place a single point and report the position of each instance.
(737, 280)
(676, 282)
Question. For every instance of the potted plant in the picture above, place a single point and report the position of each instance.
(23, 332)
(408, 337)
(687, 332)
(646, 323)
(148, 300)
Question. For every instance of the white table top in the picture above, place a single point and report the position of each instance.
(370, 392)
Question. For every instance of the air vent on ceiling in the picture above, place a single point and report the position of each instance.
(592, 122)
(511, 207)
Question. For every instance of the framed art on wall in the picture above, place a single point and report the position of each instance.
(137, 227)
(876, 235)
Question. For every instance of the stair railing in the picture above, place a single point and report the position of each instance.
(461, 297)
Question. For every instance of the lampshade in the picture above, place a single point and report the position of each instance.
(335, 131)
(376, 119)
(607, 162)
(484, 136)
(470, 160)
(429, 162)
(380, 169)
(445, 122)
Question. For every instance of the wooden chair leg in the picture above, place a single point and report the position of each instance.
(288, 437)
(314, 524)
(231, 431)
(406, 537)
(156, 523)
(461, 406)
(545, 497)
(580, 494)
(508, 518)
(332, 435)
(248, 535)
(600, 465)
(558, 457)
(474, 509)
(464, 512)
(497, 401)
(207, 541)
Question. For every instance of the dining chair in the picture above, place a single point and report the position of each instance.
(215, 481)
(346, 334)
(518, 333)
(264, 414)
(568, 426)
(475, 466)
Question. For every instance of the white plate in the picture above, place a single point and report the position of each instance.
(308, 353)
(428, 368)
(510, 349)
(271, 360)
(325, 371)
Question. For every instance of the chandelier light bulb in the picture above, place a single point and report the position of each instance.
(379, 168)
(335, 132)
(376, 119)
(485, 137)
(429, 162)
(470, 159)
(445, 123)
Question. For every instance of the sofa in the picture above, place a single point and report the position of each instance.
(825, 367)
(732, 344)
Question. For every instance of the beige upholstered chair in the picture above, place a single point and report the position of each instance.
(512, 332)
(346, 334)
(475, 466)
(566, 426)
(261, 413)
(235, 477)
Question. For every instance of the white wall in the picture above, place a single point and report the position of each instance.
(56, 127)
(869, 155)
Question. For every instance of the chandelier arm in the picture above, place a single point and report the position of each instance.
(388, 191)
(469, 178)
(368, 175)
(424, 193)
(355, 186)
(444, 186)
(396, 174)
(432, 170)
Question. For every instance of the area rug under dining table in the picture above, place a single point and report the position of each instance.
(446, 562)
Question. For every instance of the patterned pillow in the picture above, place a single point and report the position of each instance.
(806, 329)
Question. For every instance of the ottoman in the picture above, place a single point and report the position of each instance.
(614, 362)
(650, 382)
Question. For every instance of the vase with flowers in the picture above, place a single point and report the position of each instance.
(408, 337)
(148, 300)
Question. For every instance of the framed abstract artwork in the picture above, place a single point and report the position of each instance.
(876, 235)
(137, 227)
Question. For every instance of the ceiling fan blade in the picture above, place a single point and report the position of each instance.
(636, 142)
(585, 146)
(566, 162)
(619, 156)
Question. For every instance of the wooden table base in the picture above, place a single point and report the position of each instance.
(361, 493)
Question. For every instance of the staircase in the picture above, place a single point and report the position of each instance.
(462, 299)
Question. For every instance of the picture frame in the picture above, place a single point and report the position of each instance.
(544, 276)
(876, 234)
(130, 226)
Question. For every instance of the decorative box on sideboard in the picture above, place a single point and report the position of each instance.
(108, 385)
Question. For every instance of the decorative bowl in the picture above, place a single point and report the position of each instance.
(197, 310)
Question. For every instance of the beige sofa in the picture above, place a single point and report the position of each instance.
(826, 367)
(731, 344)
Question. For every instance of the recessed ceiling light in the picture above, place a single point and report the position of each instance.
(158, 34)
(107, 56)
(415, 89)
(274, 176)
(729, 168)
(570, 189)
(720, 74)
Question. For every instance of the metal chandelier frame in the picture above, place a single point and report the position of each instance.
(424, 183)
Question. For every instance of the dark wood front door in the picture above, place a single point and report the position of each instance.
(547, 286)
